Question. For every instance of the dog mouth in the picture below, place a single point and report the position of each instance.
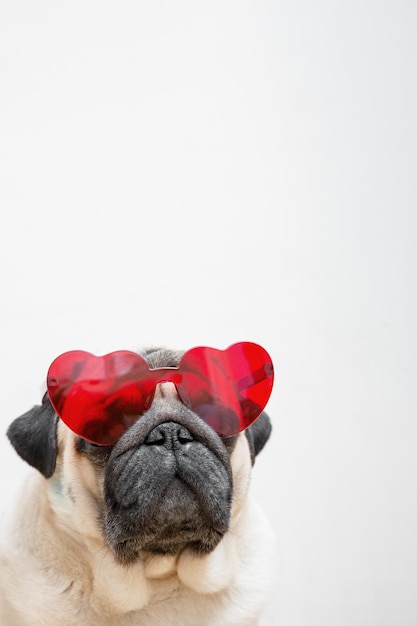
(168, 492)
(174, 519)
(176, 522)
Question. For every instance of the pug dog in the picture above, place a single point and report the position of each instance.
(157, 528)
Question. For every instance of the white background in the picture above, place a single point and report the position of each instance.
(200, 173)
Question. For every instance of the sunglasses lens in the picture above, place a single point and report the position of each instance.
(227, 389)
(98, 398)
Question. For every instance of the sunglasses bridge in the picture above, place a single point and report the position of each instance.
(162, 376)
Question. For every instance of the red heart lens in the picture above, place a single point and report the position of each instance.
(99, 398)
(229, 388)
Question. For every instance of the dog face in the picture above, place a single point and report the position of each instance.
(169, 483)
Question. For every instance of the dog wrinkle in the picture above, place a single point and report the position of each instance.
(241, 475)
(69, 587)
(135, 485)
(97, 455)
(118, 589)
(70, 493)
(212, 573)
(159, 567)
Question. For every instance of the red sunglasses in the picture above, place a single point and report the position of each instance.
(100, 397)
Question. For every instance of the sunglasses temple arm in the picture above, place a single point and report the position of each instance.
(266, 371)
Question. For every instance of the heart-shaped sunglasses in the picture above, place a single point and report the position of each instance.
(100, 397)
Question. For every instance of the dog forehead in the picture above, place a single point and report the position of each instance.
(161, 357)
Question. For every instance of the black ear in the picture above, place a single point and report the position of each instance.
(34, 437)
(258, 434)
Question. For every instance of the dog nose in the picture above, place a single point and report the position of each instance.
(165, 390)
(169, 434)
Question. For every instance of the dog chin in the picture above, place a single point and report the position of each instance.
(131, 550)
(167, 527)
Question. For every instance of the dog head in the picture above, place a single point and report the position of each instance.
(170, 481)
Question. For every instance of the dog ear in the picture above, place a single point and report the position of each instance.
(258, 434)
(34, 437)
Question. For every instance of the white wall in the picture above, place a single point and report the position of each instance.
(193, 173)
